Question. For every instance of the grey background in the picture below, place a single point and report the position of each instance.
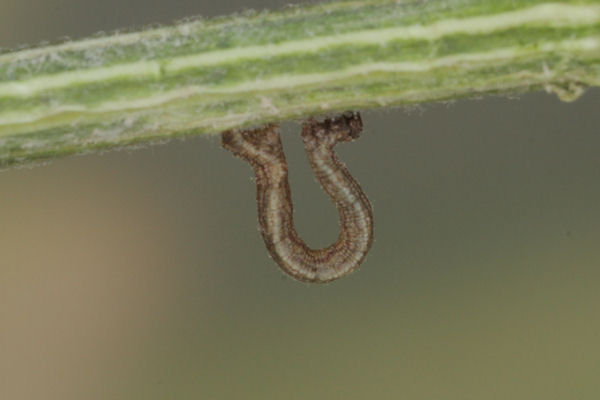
(140, 274)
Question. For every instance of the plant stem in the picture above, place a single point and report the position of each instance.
(206, 76)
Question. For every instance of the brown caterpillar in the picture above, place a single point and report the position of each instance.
(263, 150)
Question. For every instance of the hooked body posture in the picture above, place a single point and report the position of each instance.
(262, 149)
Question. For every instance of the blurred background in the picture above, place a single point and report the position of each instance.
(140, 274)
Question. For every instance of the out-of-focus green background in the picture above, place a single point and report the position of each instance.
(140, 274)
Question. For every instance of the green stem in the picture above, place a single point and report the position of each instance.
(206, 76)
